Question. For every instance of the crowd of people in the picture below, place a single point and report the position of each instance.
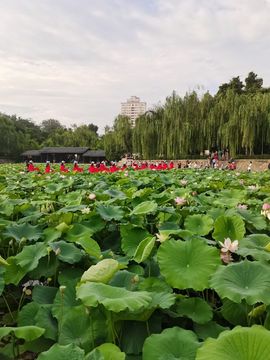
(103, 166)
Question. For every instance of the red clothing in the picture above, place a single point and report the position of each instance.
(31, 167)
(76, 168)
(48, 169)
(63, 168)
(92, 169)
(171, 166)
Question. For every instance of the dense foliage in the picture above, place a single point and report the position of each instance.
(19, 135)
(135, 265)
(237, 117)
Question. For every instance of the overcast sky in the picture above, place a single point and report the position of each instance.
(77, 60)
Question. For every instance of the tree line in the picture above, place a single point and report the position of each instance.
(237, 117)
(19, 135)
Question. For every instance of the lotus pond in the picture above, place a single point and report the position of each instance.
(139, 265)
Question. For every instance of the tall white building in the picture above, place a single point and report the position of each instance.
(133, 108)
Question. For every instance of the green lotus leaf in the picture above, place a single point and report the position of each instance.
(144, 249)
(91, 247)
(240, 343)
(102, 272)
(236, 313)
(131, 236)
(145, 207)
(14, 273)
(83, 334)
(232, 227)
(26, 315)
(62, 352)
(77, 232)
(66, 252)
(29, 257)
(115, 194)
(113, 298)
(44, 319)
(27, 333)
(244, 280)
(210, 329)
(106, 351)
(23, 231)
(187, 264)
(44, 294)
(255, 245)
(73, 198)
(199, 224)
(174, 343)
(196, 309)
(254, 220)
(110, 212)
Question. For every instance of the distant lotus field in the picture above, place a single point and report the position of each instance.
(135, 265)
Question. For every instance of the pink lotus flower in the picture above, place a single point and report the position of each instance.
(242, 206)
(266, 210)
(92, 196)
(229, 246)
(180, 201)
(126, 173)
(266, 207)
(226, 257)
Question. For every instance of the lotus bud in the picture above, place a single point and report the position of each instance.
(62, 289)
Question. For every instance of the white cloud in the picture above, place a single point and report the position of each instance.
(77, 61)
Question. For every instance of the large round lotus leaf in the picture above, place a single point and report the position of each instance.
(110, 212)
(172, 344)
(103, 271)
(244, 280)
(26, 231)
(62, 352)
(199, 224)
(240, 343)
(145, 207)
(187, 264)
(196, 309)
(113, 298)
(28, 333)
(232, 227)
(106, 351)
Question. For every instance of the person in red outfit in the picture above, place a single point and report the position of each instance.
(63, 167)
(171, 166)
(48, 168)
(92, 168)
(76, 167)
(31, 167)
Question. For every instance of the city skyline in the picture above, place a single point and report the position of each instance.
(76, 62)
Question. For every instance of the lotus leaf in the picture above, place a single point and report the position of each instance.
(27, 333)
(145, 207)
(110, 212)
(113, 298)
(131, 236)
(23, 231)
(63, 352)
(66, 252)
(240, 343)
(106, 351)
(187, 264)
(29, 257)
(144, 249)
(232, 227)
(196, 309)
(103, 271)
(199, 224)
(174, 343)
(245, 280)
